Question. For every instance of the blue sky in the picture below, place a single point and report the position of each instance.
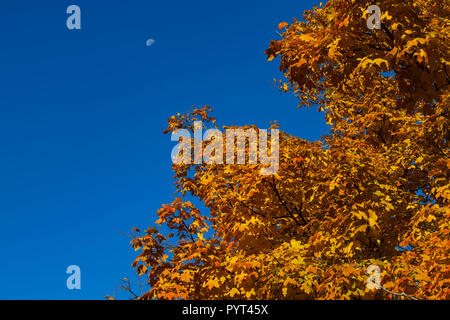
(82, 154)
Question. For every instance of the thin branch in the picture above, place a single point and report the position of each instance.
(274, 188)
(398, 294)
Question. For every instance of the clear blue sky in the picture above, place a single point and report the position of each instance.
(82, 154)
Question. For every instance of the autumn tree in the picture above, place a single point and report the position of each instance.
(377, 183)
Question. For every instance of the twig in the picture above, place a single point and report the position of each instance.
(399, 294)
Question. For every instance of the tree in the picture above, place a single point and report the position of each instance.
(376, 184)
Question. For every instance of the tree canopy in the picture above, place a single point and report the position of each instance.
(376, 184)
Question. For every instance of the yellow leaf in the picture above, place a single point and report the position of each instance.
(281, 25)
(233, 292)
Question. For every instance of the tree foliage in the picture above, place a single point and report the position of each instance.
(378, 182)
